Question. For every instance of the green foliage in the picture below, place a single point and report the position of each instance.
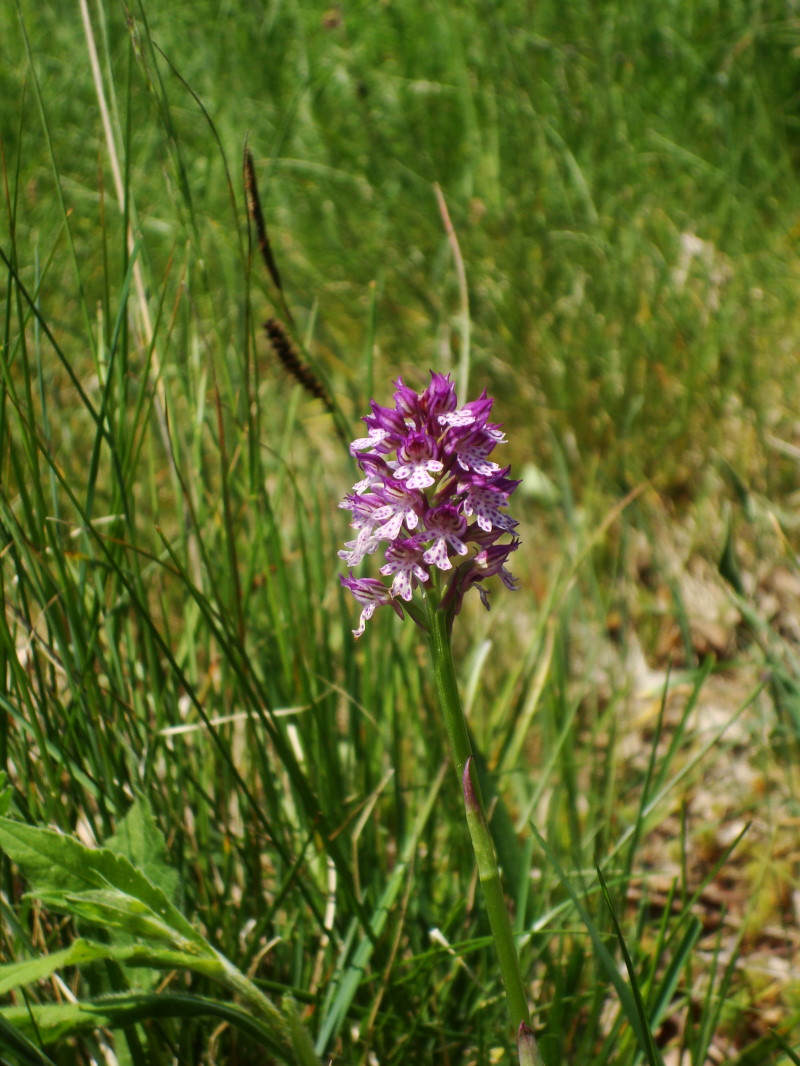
(104, 887)
(177, 675)
(106, 891)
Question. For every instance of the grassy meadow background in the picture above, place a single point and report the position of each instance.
(623, 184)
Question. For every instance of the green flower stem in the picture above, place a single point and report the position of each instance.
(447, 687)
(483, 846)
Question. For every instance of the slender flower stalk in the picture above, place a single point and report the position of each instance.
(492, 888)
(435, 504)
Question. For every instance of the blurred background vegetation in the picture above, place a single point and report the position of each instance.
(623, 184)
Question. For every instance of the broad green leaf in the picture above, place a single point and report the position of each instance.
(139, 840)
(25, 1052)
(105, 888)
(111, 909)
(26, 971)
(54, 1022)
(83, 952)
(60, 867)
(278, 1029)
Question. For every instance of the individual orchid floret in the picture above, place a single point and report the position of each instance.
(370, 593)
(386, 429)
(490, 561)
(474, 413)
(408, 404)
(427, 473)
(470, 450)
(365, 544)
(374, 439)
(403, 559)
(445, 526)
(417, 459)
(484, 497)
(376, 470)
(400, 506)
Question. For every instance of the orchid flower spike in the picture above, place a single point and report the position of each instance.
(430, 500)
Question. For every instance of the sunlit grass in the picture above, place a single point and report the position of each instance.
(623, 189)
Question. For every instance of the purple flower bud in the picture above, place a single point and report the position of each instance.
(407, 402)
(386, 427)
(439, 399)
